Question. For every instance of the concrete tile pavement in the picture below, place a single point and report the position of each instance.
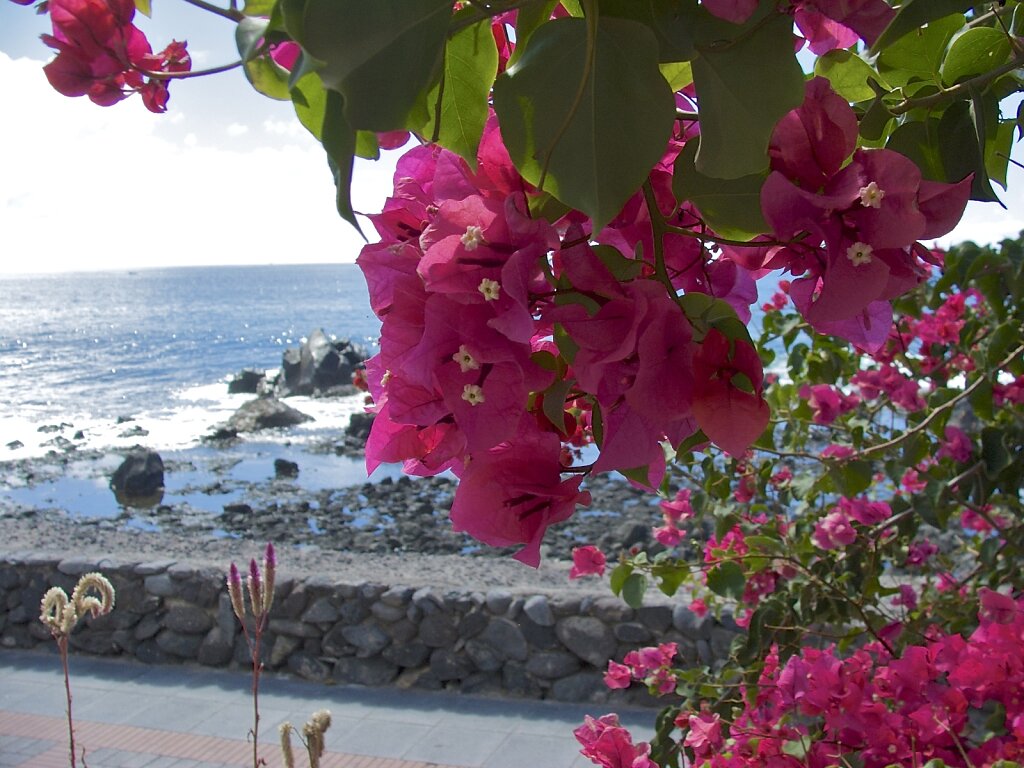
(130, 715)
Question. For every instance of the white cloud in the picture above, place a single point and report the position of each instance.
(236, 129)
(85, 187)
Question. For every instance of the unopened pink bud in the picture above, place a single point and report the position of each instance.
(255, 589)
(269, 572)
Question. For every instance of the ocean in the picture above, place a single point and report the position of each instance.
(114, 360)
(95, 357)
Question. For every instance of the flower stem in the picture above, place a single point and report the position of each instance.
(62, 644)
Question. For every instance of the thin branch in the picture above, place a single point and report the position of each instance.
(192, 73)
(232, 13)
(958, 90)
(940, 410)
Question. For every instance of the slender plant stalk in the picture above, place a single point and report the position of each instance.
(62, 645)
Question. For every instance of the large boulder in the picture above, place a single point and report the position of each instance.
(319, 365)
(247, 381)
(139, 481)
(261, 413)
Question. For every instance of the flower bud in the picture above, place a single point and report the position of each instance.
(85, 603)
(235, 592)
(286, 745)
(269, 572)
(255, 584)
(51, 609)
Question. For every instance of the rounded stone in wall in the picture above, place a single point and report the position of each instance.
(588, 638)
(188, 619)
(365, 671)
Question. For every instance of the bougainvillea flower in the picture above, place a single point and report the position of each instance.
(736, 11)
(834, 531)
(608, 744)
(867, 18)
(103, 55)
(587, 561)
(727, 401)
(811, 143)
(510, 494)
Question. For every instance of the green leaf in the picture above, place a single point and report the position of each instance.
(919, 55)
(727, 580)
(248, 36)
(633, 590)
(309, 97)
(678, 74)
(997, 151)
(554, 402)
(618, 577)
(145, 7)
(587, 132)
(670, 579)
(731, 207)
(961, 150)
(379, 56)
(268, 78)
(919, 141)
(974, 52)
(671, 21)
(915, 14)
(528, 19)
(470, 64)
(994, 453)
(738, 111)
(848, 73)
(852, 477)
(339, 140)
(258, 7)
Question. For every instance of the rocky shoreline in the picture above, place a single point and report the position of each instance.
(369, 529)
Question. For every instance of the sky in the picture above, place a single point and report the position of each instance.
(226, 176)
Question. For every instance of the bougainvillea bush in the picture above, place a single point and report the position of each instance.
(688, 242)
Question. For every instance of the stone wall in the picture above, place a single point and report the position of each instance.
(498, 643)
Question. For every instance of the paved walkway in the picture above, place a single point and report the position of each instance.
(129, 715)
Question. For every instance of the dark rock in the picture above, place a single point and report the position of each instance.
(284, 647)
(498, 601)
(657, 617)
(583, 686)
(188, 619)
(588, 638)
(285, 468)
(518, 682)
(407, 655)
(216, 650)
(139, 481)
(690, 624)
(134, 431)
(632, 632)
(438, 630)
(365, 671)
(359, 425)
(177, 644)
(552, 664)
(319, 365)
(368, 638)
(15, 445)
(506, 638)
(246, 381)
(148, 652)
(539, 611)
(308, 667)
(261, 413)
(486, 658)
(322, 611)
(450, 665)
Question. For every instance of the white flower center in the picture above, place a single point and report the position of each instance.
(385, 378)
(859, 253)
(491, 289)
(465, 360)
(871, 196)
(472, 237)
(473, 394)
